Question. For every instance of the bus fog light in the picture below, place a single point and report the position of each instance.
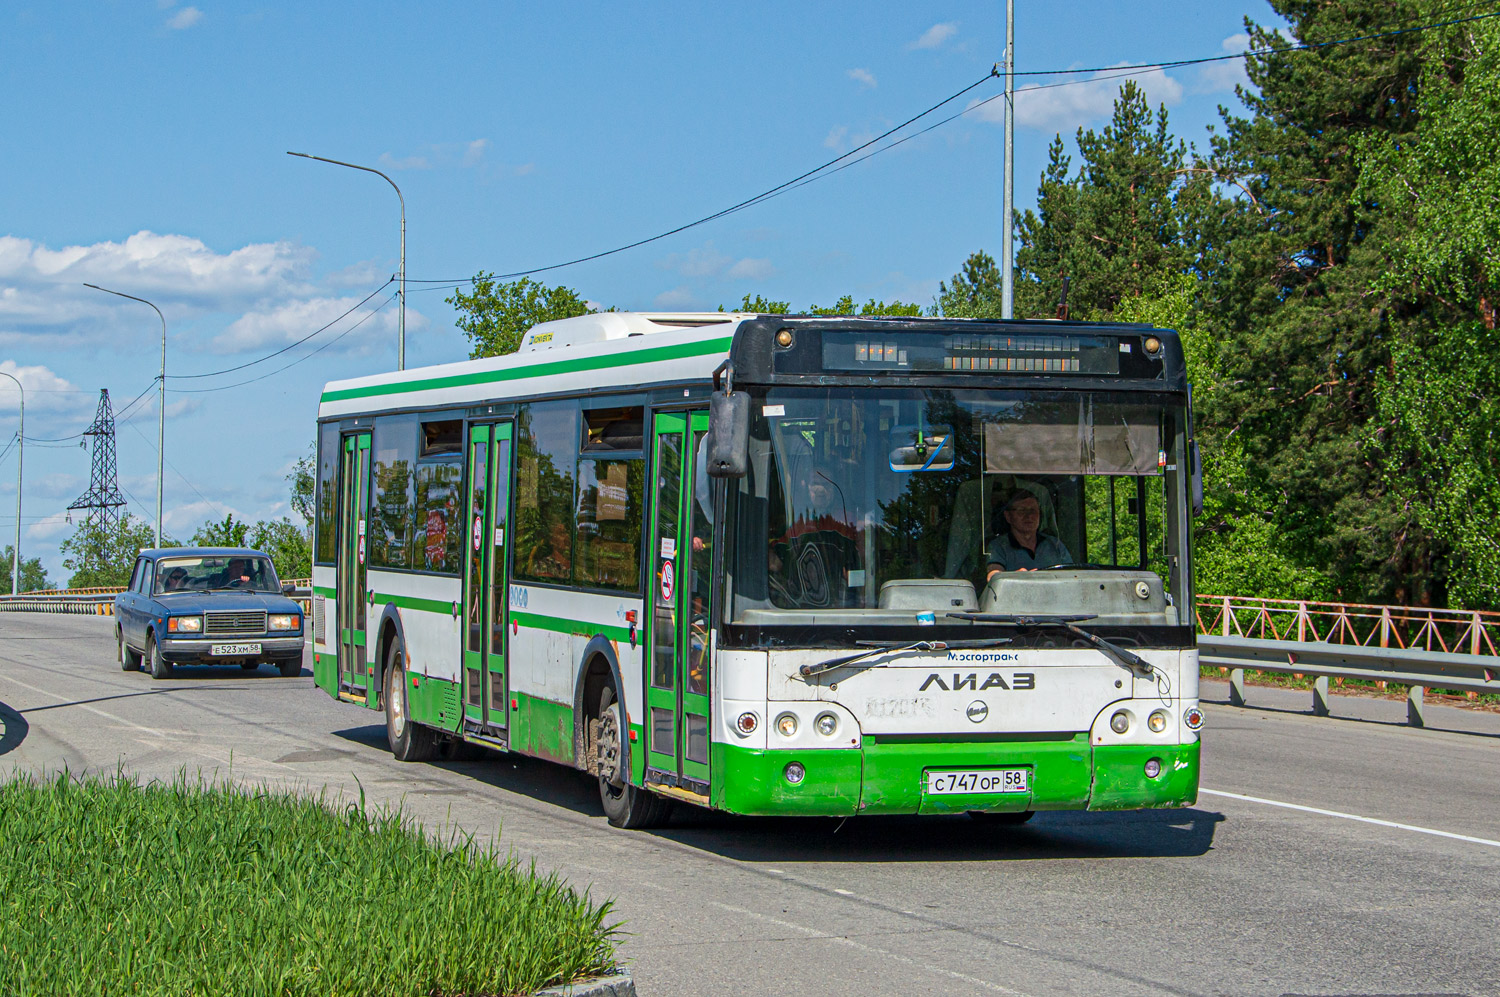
(1153, 768)
(1157, 721)
(747, 723)
(795, 773)
(787, 725)
(826, 723)
(1120, 722)
(1193, 717)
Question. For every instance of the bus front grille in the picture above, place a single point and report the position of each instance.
(234, 624)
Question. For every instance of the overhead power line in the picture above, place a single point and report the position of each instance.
(288, 346)
(831, 166)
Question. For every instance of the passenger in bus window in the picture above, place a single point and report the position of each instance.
(1022, 546)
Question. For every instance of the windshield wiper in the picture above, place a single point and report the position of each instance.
(880, 647)
(1127, 658)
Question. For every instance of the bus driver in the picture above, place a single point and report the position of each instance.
(1022, 547)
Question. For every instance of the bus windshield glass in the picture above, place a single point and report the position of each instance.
(903, 505)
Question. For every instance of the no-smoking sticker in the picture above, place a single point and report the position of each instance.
(668, 580)
(478, 531)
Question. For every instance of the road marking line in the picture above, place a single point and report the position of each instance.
(815, 933)
(1365, 820)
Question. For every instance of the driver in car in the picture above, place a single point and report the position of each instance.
(1022, 547)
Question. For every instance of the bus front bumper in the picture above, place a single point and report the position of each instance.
(889, 776)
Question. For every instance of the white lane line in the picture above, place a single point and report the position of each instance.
(1364, 820)
(65, 701)
(840, 939)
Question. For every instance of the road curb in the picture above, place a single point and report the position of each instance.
(599, 986)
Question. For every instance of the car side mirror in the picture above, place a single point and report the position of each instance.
(728, 434)
(287, 588)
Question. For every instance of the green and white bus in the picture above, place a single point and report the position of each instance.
(775, 564)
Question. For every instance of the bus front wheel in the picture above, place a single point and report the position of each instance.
(625, 805)
(410, 741)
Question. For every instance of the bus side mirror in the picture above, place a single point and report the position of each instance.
(1196, 463)
(728, 434)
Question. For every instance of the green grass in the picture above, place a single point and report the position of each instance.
(111, 887)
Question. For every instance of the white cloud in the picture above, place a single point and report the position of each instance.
(1062, 109)
(41, 289)
(751, 269)
(701, 261)
(1220, 76)
(836, 136)
(936, 35)
(277, 324)
(46, 529)
(405, 163)
(184, 18)
(184, 520)
(677, 299)
(863, 77)
(525, 169)
(45, 391)
(474, 152)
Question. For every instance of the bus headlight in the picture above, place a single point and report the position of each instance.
(1193, 717)
(786, 724)
(746, 723)
(795, 773)
(1120, 722)
(1157, 721)
(1153, 768)
(826, 724)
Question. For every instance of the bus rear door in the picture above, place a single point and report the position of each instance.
(349, 596)
(486, 582)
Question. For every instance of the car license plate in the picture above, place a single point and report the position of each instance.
(226, 650)
(978, 781)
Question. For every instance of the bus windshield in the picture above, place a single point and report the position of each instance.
(885, 506)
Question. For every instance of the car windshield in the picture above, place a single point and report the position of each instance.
(874, 507)
(244, 573)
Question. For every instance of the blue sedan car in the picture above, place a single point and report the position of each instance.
(207, 605)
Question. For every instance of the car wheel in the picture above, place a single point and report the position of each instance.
(1007, 819)
(161, 668)
(410, 741)
(625, 805)
(250, 666)
(129, 660)
(290, 669)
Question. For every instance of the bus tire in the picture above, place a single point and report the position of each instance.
(161, 668)
(130, 661)
(625, 805)
(410, 741)
(1007, 819)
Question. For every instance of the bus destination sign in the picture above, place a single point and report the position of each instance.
(988, 354)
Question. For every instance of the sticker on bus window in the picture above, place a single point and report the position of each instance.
(668, 580)
(668, 547)
(478, 531)
(773, 410)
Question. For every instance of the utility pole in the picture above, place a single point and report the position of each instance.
(1007, 269)
(15, 560)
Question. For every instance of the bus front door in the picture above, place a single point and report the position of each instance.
(486, 582)
(677, 643)
(349, 596)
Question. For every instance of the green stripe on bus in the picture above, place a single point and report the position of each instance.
(412, 602)
(576, 627)
(325, 592)
(649, 355)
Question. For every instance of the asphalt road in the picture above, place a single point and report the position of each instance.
(1234, 896)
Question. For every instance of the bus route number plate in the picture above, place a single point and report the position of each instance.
(978, 781)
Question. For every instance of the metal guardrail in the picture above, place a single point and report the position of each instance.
(1416, 668)
(101, 601)
(1451, 631)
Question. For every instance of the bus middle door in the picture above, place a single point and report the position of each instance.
(677, 642)
(487, 582)
(349, 596)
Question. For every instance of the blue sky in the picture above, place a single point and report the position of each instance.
(144, 150)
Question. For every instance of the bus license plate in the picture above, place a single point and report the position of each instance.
(226, 650)
(978, 781)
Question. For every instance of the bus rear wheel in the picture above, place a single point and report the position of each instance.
(625, 805)
(410, 741)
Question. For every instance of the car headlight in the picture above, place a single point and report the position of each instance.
(283, 621)
(185, 625)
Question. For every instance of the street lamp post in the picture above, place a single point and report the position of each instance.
(15, 556)
(401, 322)
(161, 400)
